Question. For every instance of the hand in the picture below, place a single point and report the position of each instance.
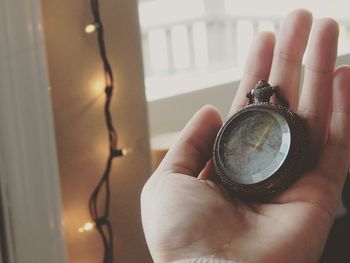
(185, 211)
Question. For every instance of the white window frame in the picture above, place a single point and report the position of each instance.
(29, 180)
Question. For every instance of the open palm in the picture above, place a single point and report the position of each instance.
(186, 214)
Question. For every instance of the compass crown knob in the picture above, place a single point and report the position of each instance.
(262, 92)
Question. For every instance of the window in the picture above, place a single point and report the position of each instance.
(188, 40)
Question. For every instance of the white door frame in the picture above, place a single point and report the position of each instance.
(29, 180)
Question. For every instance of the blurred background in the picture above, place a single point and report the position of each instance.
(183, 39)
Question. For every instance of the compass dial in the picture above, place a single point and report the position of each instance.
(254, 146)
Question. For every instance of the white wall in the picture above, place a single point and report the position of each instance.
(28, 166)
(76, 78)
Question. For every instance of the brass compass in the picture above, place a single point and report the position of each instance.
(260, 150)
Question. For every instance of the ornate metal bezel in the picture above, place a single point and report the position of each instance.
(289, 171)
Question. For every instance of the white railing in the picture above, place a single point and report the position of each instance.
(221, 48)
(170, 114)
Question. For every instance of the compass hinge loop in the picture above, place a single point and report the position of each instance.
(263, 92)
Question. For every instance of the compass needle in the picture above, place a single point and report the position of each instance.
(262, 139)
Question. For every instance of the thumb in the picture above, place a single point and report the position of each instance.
(194, 147)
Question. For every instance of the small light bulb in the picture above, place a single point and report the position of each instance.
(97, 86)
(90, 28)
(125, 151)
(88, 226)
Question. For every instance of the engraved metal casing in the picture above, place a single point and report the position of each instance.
(288, 172)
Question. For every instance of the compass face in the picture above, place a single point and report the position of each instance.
(254, 145)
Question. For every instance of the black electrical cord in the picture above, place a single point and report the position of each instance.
(101, 218)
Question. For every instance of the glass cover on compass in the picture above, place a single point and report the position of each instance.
(254, 146)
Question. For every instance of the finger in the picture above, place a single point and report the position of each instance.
(257, 67)
(335, 158)
(195, 145)
(209, 172)
(315, 103)
(288, 54)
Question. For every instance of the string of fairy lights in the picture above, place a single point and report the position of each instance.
(100, 216)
